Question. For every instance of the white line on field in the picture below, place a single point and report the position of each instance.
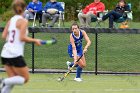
(48, 90)
(117, 90)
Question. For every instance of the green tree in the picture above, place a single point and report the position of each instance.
(72, 5)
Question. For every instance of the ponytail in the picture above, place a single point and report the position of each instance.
(18, 6)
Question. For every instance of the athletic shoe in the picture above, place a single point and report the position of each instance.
(1, 84)
(68, 64)
(78, 79)
(99, 19)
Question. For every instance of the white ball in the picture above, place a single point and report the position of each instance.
(59, 79)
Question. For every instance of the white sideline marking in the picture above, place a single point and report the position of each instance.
(48, 90)
(117, 90)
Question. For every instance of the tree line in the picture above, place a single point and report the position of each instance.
(72, 5)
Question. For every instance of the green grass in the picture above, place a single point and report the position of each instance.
(119, 52)
(116, 52)
(68, 24)
(47, 83)
(55, 56)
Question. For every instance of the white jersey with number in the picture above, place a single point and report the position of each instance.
(13, 47)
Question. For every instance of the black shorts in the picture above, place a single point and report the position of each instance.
(16, 62)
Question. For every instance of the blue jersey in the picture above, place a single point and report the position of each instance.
(35, 6)
(55, 5)
(78, 44)
(78, 40)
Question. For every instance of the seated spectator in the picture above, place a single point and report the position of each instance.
(51, 10)
(34, 7)
(89, 11)
(118, 12)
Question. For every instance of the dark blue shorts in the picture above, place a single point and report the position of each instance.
(79, 51)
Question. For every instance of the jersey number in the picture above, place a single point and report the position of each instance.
(13, 36)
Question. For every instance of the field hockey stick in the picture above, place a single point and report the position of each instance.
(70, 70)
(49, 42)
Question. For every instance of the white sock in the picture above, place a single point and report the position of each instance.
(7, 89)
(16, 80)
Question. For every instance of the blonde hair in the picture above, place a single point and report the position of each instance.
(18, 6)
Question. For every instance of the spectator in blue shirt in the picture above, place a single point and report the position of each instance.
(52, 10)
(34, 7)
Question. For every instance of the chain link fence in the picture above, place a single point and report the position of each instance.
(112, 51)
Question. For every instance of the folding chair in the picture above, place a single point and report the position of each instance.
(34, 20)
(123, 19)
(95, 19)
(61, 15)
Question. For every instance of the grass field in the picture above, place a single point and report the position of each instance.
(103, 24)
(47, 83)
(116, 52)
(119, 52)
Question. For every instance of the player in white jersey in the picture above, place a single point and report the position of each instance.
(13, 47)
(15, 34)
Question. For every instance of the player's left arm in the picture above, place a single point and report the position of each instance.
(87, 40)
(5, 32)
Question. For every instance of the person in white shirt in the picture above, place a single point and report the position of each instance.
(15, 34)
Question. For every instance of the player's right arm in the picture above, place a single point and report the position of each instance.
(5, 32)
(74, 51)
(23, 27)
